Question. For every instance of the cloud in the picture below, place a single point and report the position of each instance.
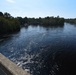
(11, 1)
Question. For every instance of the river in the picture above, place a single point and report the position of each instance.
(43, 50)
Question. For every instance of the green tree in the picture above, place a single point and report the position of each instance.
(1, 14)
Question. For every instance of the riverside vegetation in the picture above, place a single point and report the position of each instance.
(10, 24)
(72, 21)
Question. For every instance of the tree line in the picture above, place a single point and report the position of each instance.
(72, 21)
(47, 21)
(9, 24)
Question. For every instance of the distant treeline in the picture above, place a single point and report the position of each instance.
(47, 21)
(73, 21)
(9, 24)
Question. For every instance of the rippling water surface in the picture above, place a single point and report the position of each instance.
(43, 50)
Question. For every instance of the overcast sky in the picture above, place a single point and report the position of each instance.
(39, 8)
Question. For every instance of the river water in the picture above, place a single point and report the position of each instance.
(43, 50)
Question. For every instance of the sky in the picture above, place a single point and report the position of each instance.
(39, 8)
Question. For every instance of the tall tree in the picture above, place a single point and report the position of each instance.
(1, 14)
(7, 15)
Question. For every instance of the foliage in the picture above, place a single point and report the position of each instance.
(47, 21)
(73, 21)
(8, 24)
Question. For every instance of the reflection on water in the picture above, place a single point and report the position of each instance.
(43, 50)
